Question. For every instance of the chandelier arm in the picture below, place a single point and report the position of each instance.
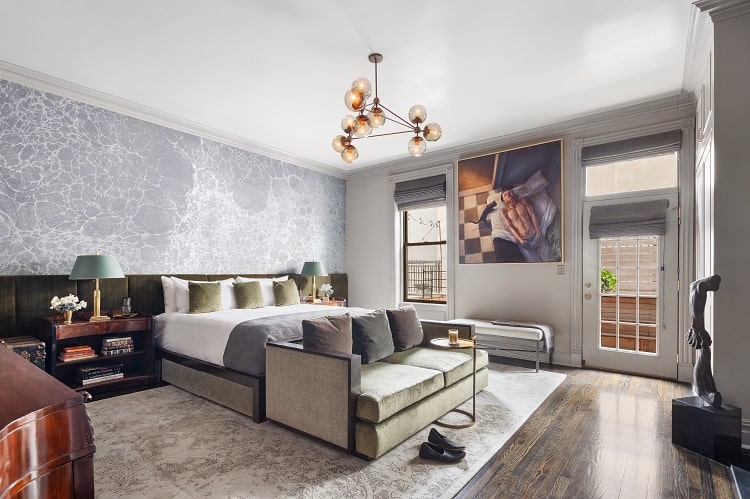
(405, 122)
(382, 134)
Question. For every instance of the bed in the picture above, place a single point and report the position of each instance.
(23, 299)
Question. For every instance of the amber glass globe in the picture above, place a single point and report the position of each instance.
(417, 114)
(347, 123)
(349, 154)
(362, 127)
(417, 146)
(339, 143)
(432, 132)
(363, 87)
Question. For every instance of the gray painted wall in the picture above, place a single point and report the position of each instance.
(731, 205)
(515, 291)
(77, 179)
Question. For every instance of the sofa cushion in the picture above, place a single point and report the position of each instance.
(455, 364)
(405, 327)
(371, 336)
(329, 334)
(389, 388)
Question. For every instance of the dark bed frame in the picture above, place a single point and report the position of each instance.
(23, 299)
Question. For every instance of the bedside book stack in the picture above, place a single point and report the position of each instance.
(76, 353)
(90, 375)
(117, 345)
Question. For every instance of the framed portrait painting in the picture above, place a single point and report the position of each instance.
(510, 206)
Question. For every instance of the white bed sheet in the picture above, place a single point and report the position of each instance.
(204, 336)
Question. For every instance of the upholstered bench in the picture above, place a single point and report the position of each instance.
(508, 336)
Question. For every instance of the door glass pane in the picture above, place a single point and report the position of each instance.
(630, 271)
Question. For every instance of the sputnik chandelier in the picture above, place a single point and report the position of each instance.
(374, 114)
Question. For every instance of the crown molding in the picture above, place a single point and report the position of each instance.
(699, 43)
(680, 107)
(721, 10)
(63, 88)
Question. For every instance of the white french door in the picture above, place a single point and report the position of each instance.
(630, 302)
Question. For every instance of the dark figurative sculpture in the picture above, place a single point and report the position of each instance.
(697, 336)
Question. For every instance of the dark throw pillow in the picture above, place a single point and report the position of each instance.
(371, 336)
(330, 334)
(248, 294)
(285, 293)
(204, 297)
(405, 327)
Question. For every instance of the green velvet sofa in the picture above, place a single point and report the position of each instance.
(369, 409)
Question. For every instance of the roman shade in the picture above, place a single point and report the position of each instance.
(630, 219)
(420, 193)
(639, 147)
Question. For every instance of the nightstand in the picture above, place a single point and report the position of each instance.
(136, 362)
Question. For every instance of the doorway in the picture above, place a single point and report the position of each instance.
(630, 285)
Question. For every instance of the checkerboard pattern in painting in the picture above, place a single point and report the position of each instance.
(474, 241)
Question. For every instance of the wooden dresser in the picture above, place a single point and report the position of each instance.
(46, 440)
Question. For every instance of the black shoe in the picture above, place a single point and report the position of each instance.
(438, 439)
(432, 451)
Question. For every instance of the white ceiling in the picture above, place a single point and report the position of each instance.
(272, 74)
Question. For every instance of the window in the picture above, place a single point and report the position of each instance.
(632, 175)
(424, 254)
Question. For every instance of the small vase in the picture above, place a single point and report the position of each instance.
(67, 317)
(325, 299)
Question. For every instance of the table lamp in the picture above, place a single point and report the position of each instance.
(96, 267)
(312, 269)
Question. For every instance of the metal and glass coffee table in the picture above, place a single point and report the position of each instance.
(462, 344)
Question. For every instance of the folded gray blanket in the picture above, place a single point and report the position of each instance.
(246, 347)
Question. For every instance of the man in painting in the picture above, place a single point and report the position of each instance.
(517, 219)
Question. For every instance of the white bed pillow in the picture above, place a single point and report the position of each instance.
(168, 287)
(266, 287)
(182, 294)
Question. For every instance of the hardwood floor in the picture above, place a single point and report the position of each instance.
(601, 435)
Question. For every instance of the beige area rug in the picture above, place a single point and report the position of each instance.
(165, 442)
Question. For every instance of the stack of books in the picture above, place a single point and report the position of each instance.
(76, 353)
(117, 345)
(89, 375)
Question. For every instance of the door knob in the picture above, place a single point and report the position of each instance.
(587, 296)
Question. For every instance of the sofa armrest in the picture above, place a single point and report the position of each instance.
(439, 329)
(312, 391)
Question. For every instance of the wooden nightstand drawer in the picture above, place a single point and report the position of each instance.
(114, 326)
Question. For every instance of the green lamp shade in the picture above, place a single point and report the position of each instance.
(96, 267)
(313, 269)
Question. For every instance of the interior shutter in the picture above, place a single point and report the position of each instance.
(420, 193)
(630, 219)
(639, 147)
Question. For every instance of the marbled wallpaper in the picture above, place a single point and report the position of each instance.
(77, 179)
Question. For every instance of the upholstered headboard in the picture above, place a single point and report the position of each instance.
(25, 298)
